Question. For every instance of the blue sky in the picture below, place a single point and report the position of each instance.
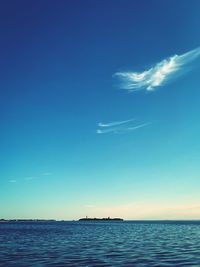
(60, 82)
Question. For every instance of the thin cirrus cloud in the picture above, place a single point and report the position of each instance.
(115, 123)
(159, 74)
(119, 127)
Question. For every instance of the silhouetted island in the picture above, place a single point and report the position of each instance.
(100, 219)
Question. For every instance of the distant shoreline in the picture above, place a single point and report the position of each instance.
(98, 219)
(101, 219)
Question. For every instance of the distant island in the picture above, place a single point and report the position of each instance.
(100, 219)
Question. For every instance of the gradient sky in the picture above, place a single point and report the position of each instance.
(58, 61)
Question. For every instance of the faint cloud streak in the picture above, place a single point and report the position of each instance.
(12, 181)
(29, 178)
(119, 127)
(116, 123)
(47, 174)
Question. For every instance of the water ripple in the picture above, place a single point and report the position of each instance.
(99, 244)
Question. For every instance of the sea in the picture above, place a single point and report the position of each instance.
(127, 243)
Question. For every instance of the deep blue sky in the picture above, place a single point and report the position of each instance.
(57, 60)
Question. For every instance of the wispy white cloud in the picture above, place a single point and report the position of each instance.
(119, 127)
(115, 123)
(138, 126)
(110, 130)
(159, 74)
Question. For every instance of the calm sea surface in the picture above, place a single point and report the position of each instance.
(100, 244)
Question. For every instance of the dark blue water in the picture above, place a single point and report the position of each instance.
(100, 244)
